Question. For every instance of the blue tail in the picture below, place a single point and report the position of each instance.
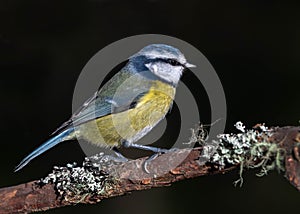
(44, 147)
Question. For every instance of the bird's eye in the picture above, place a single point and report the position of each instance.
(173, 62)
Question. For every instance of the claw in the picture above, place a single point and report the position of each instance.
(119, 157)
(154, 156)
(147, 162)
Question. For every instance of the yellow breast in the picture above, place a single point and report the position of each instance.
(131, 124)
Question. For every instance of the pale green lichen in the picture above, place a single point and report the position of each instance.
(75, 183)
(250, 149)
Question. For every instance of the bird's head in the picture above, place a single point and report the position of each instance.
(162, 60)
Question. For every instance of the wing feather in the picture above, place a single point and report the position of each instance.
(109, 99)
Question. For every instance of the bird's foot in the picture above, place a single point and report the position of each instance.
(148, 161)
(155, 150)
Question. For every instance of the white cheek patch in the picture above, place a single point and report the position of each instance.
(152, 67)
(155, 68)
(165, 71)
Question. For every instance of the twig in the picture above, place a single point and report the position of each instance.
(131, 176)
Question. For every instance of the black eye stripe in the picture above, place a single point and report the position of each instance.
(172, 62)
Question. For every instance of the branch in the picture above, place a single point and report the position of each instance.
(106, 179)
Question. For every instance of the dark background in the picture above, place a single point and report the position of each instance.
(253, 45)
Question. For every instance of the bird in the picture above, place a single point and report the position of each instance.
(127, 106)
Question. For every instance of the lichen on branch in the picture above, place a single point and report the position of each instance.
(100, 177)
(251, 148)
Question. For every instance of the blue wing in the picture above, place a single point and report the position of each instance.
(106, 101)
(109, 99)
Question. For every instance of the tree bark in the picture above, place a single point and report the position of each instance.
(33, 196)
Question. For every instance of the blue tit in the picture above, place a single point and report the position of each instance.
(128, 106)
